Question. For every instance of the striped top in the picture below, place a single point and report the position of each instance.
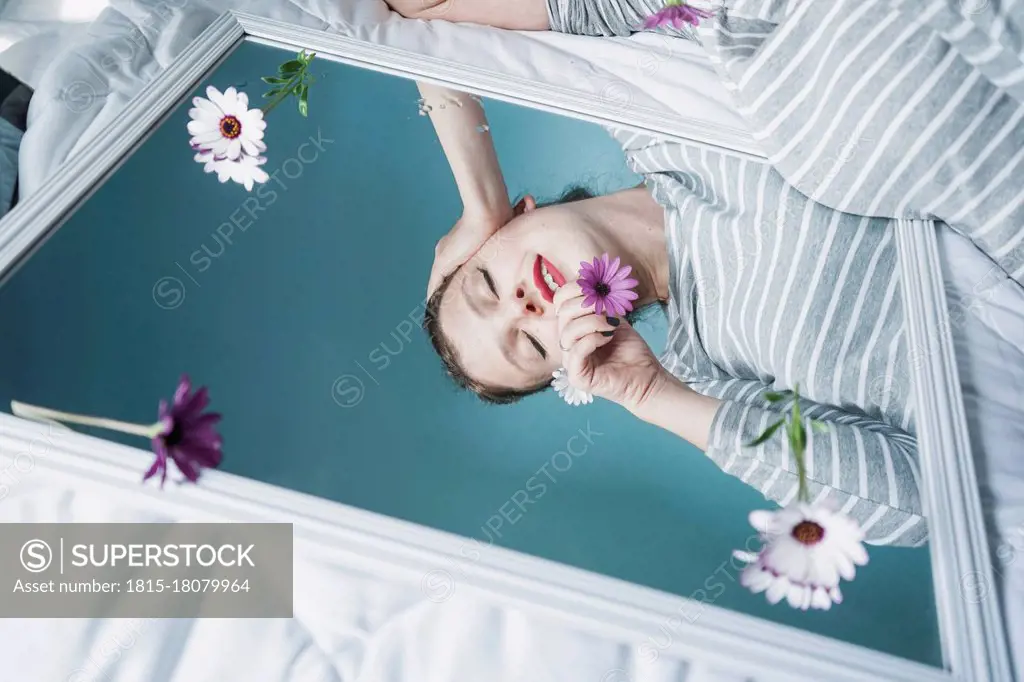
(885, 108)
(881, 108)
(769, 290)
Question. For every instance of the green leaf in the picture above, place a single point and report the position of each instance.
(773, 397)
(304, 100)
(768, 433)
(291, 68)
(820, 427)
(274, 80)
(273, 93)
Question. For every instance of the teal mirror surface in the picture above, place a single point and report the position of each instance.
(299, 305)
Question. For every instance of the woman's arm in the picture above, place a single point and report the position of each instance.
(527, 15)
(861, 465)
(581, 17)
(461, 127)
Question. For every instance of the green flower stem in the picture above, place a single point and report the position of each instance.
(801, 470)
(286, 92)
(796, 434)
(797, 440)
(43, 414)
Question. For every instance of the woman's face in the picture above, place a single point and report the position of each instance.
(498, 313)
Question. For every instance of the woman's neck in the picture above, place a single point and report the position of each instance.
(635, 223)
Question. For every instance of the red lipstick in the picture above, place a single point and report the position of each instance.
(538, 278)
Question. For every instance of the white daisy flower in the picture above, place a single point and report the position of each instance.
(759, 578)
(807, 549)
(569, 393)
(245, 170)
(226, 125)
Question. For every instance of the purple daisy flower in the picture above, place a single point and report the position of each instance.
(187, 435)
(676, 13)
(607, 287)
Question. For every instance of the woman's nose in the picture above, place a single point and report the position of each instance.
(527, 303)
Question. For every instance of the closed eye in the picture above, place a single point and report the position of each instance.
(490, 281)
(536, 344)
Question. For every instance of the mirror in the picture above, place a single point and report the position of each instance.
(300, 305)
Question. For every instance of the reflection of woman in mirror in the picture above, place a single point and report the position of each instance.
(753, 306)
(765, 289)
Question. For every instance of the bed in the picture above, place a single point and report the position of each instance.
(132, 39)
(396, 618)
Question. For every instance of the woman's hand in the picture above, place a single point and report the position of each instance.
(608, 359)
(622, 368)
(460, 244)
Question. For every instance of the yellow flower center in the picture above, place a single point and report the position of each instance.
(808, 533)
(230, 127)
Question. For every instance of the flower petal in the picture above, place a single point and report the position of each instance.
(190, 471)
(777, 590)
(763, 521)
(620, 274)
(218, 100)
(195, 403)
(234, 149)
(152, 471)
(206, 105)
(207, 118)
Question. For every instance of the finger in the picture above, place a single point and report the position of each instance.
(567, 291)
(572, 309)
(576, 329)
(576, 359)
(438, 273)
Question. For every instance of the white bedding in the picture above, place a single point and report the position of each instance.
(349, 625)
(80, 88)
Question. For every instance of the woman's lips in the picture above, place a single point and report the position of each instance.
(538, 278)
(553, 271)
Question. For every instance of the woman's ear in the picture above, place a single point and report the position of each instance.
(525, 205)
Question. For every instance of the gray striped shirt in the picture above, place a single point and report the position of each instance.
(769, 290)
(885, 108)
(881, 108)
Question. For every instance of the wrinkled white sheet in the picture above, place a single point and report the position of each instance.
(80, 89)
(349, 626)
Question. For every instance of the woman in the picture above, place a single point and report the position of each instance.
(766, 290)
(753, 306)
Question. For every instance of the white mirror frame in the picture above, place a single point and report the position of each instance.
(973, 636)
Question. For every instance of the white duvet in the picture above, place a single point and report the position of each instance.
(79, 88)
(349, 625)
